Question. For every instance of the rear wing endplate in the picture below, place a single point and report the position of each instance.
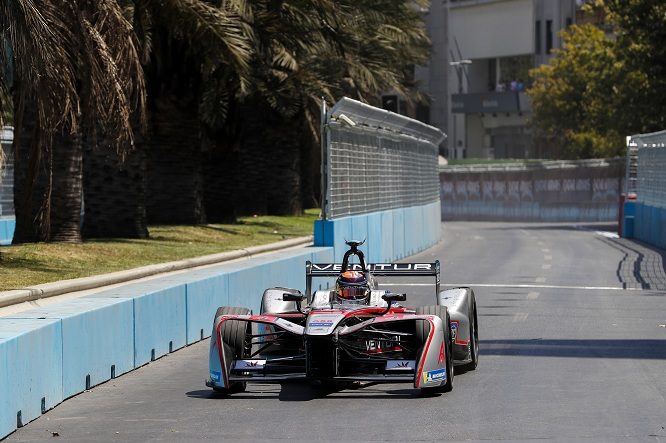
(376, 269)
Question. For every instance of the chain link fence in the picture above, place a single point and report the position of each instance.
(374, 160)
(646, 168)
(7, 173)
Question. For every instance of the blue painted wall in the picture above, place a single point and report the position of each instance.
(7, 226)
(646, 223)
(390, 235)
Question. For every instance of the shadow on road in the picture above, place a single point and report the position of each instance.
(633, 349)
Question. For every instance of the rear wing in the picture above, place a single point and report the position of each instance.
(376, 269)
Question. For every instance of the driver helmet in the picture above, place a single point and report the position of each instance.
(352, 287)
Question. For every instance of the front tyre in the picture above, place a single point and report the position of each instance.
(233, 335)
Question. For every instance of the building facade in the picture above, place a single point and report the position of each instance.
(482, 51)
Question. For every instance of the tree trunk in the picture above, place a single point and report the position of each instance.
(175, 174)
(114, 192)
(220, 179)
(31, 177)
(268, 172)
(66, 197)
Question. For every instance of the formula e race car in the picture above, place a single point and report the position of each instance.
(352, 333)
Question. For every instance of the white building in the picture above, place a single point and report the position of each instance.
(480, 48)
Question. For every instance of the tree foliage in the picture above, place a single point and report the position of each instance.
(602, 86)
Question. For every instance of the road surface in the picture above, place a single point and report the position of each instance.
(573, 348)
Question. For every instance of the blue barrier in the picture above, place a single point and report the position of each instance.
(31, 369)
(644, 222)
(390, 235)
(7, 226)
(97, 340)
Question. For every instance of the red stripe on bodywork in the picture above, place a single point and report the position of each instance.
(431, 334)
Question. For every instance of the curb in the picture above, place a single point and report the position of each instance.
(12, 297)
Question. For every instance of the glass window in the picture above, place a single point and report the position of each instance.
(549, 36)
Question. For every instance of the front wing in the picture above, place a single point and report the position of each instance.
(381, 349)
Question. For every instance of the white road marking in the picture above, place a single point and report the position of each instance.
(544, 250)
(547, 266)
(520, 316)
(532, 295)
(540, 243)
(509, 285)
(540, 280)
(547, 257)
(593, 288)
(607, 234)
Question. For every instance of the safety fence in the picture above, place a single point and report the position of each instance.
(7, 172)
(7, 221)
(379, 182)
(644, 214)
(376, 160)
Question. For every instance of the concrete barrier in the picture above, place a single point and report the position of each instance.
(50, 354)
(7, 226)
(390, 235)
(549, 191)
(31, 381)
(97, 339)
(645, 222)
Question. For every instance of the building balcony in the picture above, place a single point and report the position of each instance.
(490, 103)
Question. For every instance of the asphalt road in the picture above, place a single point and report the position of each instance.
(573, 348)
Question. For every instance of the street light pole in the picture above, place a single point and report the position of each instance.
(459, 67)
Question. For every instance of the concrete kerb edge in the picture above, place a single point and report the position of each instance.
(12, 297)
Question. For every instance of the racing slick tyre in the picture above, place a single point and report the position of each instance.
(422, 331)
(473, 338)
(233, 334)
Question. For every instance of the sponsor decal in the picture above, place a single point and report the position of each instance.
(379, 267)
(250, 365)
(442, 356)
(267, 318)
(379, 346)
(433, 376)
(321, 323)
(400, 365)
(215, 376)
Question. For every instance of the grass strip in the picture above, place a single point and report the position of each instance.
(35, 263)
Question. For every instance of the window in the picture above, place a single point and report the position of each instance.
(549, 36)
(569, 21)
(537, 37)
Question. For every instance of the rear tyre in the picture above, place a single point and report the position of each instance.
(233, 335)
(422, 331)
(473, 339)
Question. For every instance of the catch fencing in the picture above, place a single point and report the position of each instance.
(374, 160)
(7, 173)
(646, 168)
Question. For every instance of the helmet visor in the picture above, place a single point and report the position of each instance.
(353, 292)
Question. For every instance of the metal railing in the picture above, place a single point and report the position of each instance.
(373, 160)
(646, 168)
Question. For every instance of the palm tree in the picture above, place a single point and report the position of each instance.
(183, 43)
(73, 59)
(308, 49)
